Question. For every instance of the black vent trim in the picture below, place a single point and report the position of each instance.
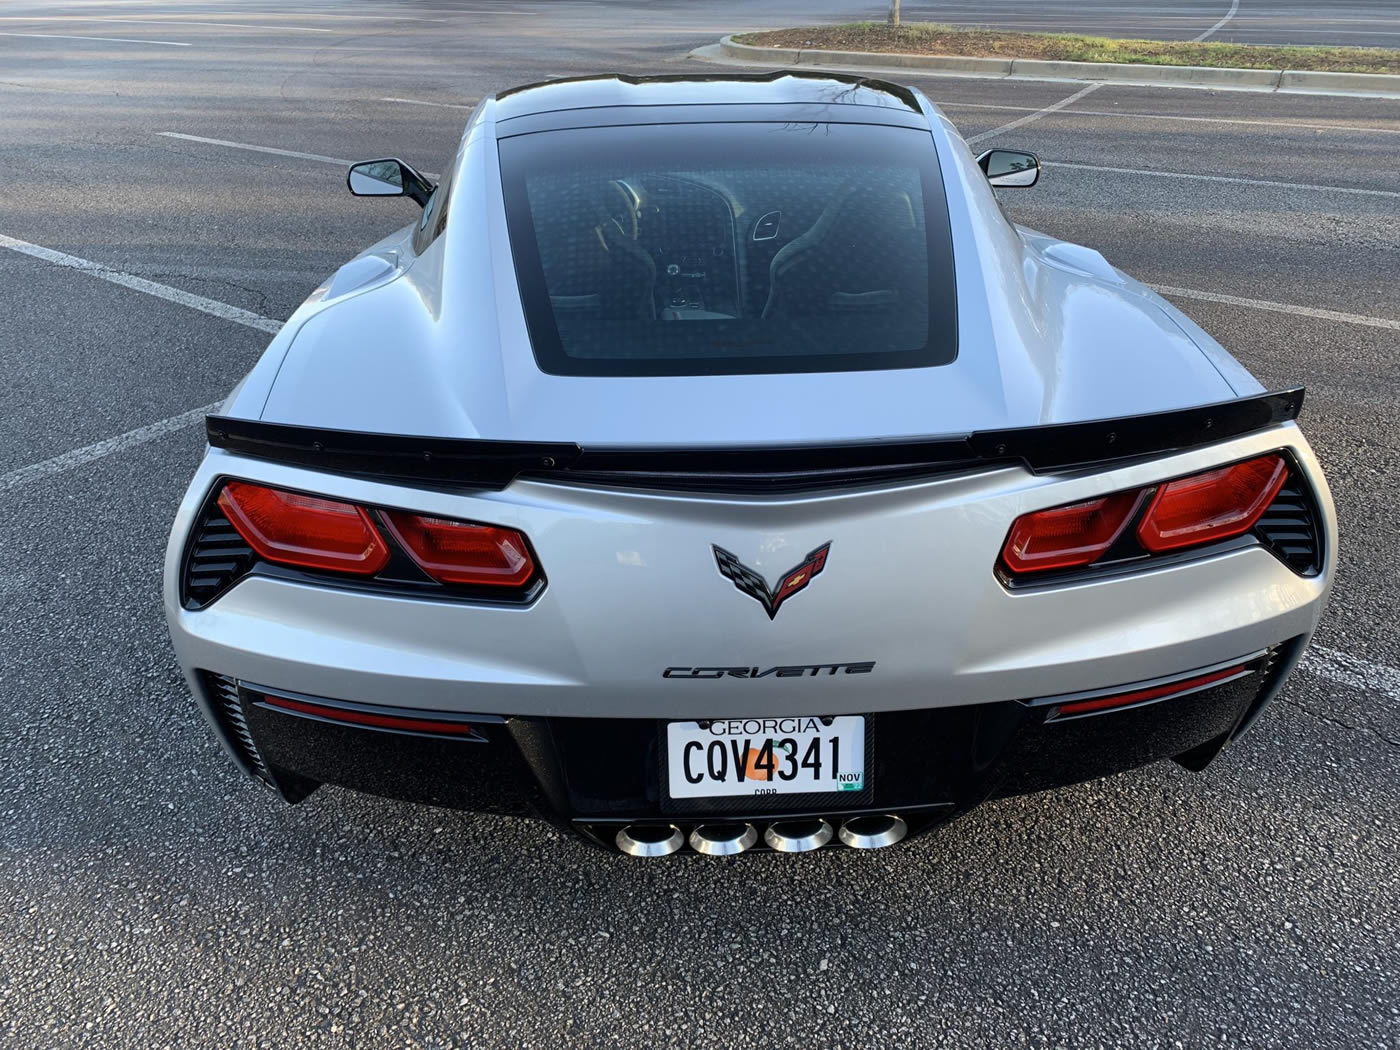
(226, 697)
(1280, 657)
(1269, 666)
(1289, 527)
(216, 558)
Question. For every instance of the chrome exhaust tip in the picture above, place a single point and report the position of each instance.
(798, 836)
(723, 840)
(873, 832)
(649, 840)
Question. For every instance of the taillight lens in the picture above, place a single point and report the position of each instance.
(457, 552)
(1068, 537)
(1212, 506)
(1204, 508)
(306, 531)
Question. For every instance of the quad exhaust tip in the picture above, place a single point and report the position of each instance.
(723, 840)
(798, 836)
(649, 840)
(873, 832)
(727, 838)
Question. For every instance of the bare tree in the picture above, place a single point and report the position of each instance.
(894, 13)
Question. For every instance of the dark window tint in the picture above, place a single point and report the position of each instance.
(718, 249)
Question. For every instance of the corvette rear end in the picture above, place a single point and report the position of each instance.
(697, 497)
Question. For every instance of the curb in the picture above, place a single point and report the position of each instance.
(1352, 83)
(1208, 76)
(1380, 85)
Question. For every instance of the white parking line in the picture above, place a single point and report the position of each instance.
(78, 456)
(1345, 669)
(179, 22)
(1133, 115)
(440, 105)
(1234, 6)
(1221, 178)
(141, 284)
(364, 18)
(104, 39)
(318, 158)
(103, 19)
(258, 149)
(1280, 308)
(88, 453)
(1055, 107)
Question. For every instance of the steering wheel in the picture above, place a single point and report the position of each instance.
(621, 209)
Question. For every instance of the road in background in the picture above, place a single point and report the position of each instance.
(152, 897)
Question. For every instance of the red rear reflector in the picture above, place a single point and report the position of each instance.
(456, 552)
(1067, 537)
(1211, 506)
(369, 718)
(314, 533)
(1138, 696)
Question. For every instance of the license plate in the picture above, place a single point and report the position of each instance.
(765, 756)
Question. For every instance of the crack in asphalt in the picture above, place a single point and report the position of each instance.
(167, 275)
(1330, 720)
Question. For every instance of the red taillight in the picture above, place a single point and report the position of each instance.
(307, 531)
(456, 552)
(1211, 506)
(1068, 537)
(1204, 508)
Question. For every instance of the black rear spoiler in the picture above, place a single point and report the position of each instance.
(487, 464)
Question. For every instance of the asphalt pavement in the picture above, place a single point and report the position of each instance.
(150, 896)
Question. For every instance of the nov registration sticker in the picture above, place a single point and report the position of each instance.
(765, 756)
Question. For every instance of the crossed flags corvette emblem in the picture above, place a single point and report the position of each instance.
(756, 587)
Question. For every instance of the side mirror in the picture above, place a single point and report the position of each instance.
(388, 178)
(1010, 167)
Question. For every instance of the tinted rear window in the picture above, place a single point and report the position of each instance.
(718, 249)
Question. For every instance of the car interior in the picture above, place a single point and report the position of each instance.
(804, 245)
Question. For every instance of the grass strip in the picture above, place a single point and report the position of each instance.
(927, 38)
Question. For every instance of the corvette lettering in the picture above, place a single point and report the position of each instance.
(781, 671)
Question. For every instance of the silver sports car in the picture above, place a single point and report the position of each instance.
(714, 466)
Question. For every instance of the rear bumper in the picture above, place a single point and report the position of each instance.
(576, 684)
(597, 775)
(633, 592)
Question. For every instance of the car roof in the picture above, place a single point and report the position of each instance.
(783, 87)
